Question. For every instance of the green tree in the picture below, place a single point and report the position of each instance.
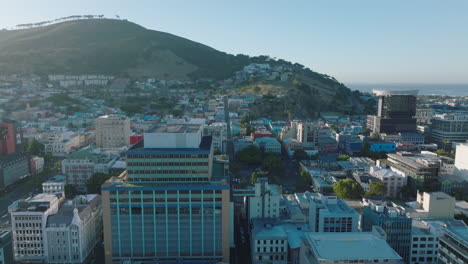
(377, 189)
(35, 147)
(305, 177)
(343, 158)
(94, 183)
(70, 191)
(257, 174)
(273, 164)
(250, 155)
(348, 189)
(300, 154)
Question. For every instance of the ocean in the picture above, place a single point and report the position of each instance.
(424, 89)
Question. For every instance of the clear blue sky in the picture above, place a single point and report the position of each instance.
(360, 41)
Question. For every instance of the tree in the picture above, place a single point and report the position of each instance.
(343, 158)
(257, 174)
(377, 189)
(94, 183)
(300, 154)
(348, 189)
(35, 147)
(250, 155)
(273, 164)
(70, 191)
(305, 176)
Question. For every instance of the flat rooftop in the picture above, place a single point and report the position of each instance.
(179, 128)
(347, 246)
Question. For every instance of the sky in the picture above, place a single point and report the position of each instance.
(356, 41)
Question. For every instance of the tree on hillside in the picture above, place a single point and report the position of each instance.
(348, 189)
(94, 183)
(377, 189)
(250, 155)
(35, 147)
(300, 154)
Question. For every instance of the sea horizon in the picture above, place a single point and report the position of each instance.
(447, 89)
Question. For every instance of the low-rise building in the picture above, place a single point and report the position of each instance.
(269, 242)
(268, 144)
(347, 248)
(80, 165)
(55, 186)
(266, 202)
(392, 180)
(13, 167)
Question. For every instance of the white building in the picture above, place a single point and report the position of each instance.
(347, 248)
(112, 131)
(28, 221)
(80, 165)
(330, 214)
(308, 134)
(425, 236)
(269, 243)
(461, 161)
(62, 144)
(391, 179)
(55, 186)
(219, 134)
(266, 202)
(74, 231)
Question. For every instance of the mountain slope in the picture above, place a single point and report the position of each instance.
(111, 47)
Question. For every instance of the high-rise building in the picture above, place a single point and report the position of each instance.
(378, 211)
(453, 246)
(112, 131)
(170, 204)
(461, 161)
(11, 137)
(396, 111)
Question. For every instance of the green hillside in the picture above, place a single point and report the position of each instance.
(111, 47)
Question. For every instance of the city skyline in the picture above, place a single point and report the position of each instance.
(362, 43)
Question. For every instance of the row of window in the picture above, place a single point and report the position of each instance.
(174, 179)
(24, 225)
(28, 218)
(154, 164)
(273, 257)
(163, 193)
(30, 252)
(166, 156)
(270, 249)
(176, 172)
(162, 200)
(271, 242)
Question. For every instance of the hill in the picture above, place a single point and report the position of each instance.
(114, 47)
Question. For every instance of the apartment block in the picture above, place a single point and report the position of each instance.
(112, 131)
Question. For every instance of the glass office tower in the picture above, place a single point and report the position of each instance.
(396, 111)
(168, 206)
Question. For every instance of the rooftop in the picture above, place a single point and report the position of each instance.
(353, 245)
(395, 92)
(178, 128)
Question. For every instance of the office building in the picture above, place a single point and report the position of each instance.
(11, 137)
(266, 202)
(170, 205)
(347, 248)
(112, 131)
(45, 231)
(269, 242)
(453, 246)
(80, 165)
(395, 112)
(379, 211)
(28, 221)
(461, 161)
(73, 232)
(13, 167)
(421, 169)
(392, 180)
(308, 134)
(449, 127)
(437, 205)
(425, 236)
(330, 214)
(6, 248)
(218, 132)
